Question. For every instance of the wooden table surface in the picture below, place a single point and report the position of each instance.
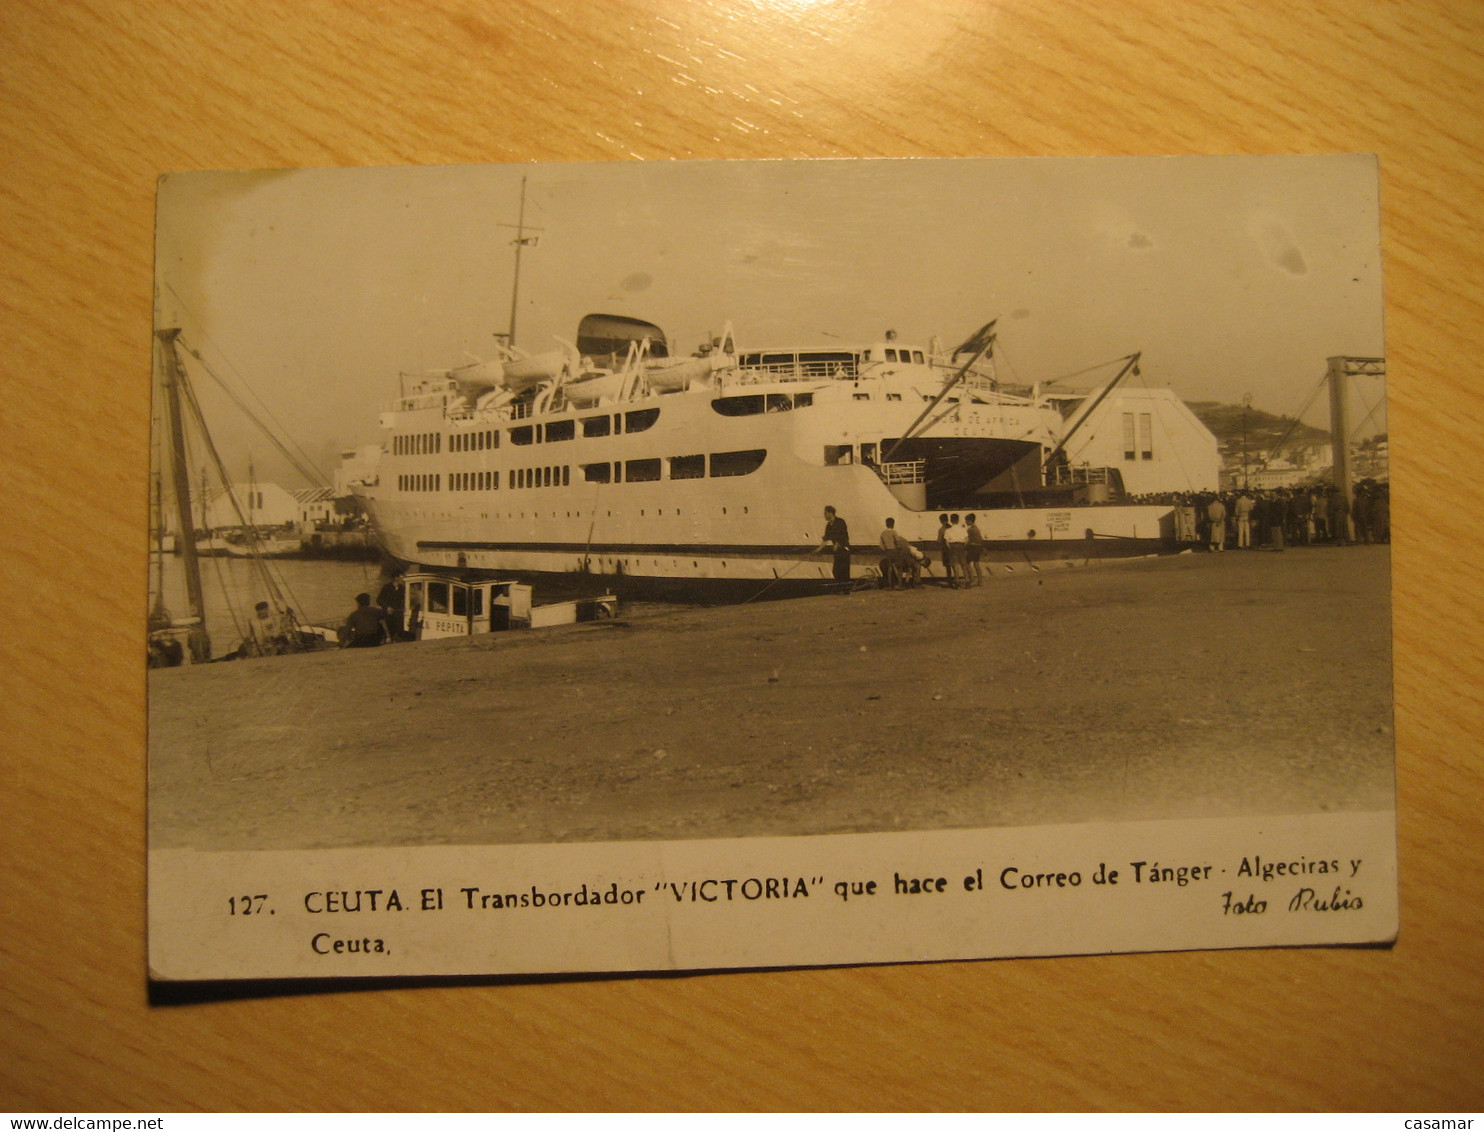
(99, 97)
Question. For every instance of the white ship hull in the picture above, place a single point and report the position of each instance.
(727, 478)
(766, 530)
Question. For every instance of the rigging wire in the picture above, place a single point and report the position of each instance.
(305, 469)
(1088, 369)
(279, 593)
(313, 475)
(1369, 414)
(228, 601)
(779, 577)
(1000, 354)
(1294, 423)
(1372, 410)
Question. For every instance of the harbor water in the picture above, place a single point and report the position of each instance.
(319, 591)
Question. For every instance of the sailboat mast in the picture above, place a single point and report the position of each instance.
(157, 615)
(172, 377)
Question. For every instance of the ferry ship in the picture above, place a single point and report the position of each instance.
(611, 456)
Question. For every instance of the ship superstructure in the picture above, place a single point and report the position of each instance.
(611, 456)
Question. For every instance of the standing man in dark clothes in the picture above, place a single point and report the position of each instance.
(366, 626)
(389, 597)
(1300, 512)
(837, 540)
(1277, 518)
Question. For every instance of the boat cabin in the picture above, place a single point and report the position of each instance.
(432, 605)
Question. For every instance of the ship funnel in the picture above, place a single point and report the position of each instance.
(606, 339)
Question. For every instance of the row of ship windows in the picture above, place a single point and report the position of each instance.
(473, 441)
(473, 481)
(603, 424)
(417, 444)
(698, 466)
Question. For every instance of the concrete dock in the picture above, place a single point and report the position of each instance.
(1187, 686)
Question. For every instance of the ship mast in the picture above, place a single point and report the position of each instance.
(521, 240)
(158, 617)
(171, 378)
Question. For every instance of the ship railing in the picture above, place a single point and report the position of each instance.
(1065, 475)
(988, 387)
(794, 371)
(903, 472)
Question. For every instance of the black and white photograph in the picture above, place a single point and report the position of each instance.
(707, 564)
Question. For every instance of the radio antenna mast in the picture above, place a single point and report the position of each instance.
(521, 241)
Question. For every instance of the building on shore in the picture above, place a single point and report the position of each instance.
(1150, 437)
(316, 506)
(245, 504)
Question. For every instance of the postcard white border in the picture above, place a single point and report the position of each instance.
(685, 905)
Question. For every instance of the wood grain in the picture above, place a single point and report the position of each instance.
(99, 97)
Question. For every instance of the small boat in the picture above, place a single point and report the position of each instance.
(263, 546)
(675, 375)
(526, 373)
(428, 606)
(591, 388)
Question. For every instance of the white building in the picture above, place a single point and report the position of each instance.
(256, 504)
(1151, 437)
(316, 505)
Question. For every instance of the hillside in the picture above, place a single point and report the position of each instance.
(1265, 431)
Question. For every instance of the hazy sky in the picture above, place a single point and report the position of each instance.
(314, 289)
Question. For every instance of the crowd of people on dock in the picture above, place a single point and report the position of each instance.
(1277, 518)
(1245, 518)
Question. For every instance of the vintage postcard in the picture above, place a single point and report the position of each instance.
(694, 565)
